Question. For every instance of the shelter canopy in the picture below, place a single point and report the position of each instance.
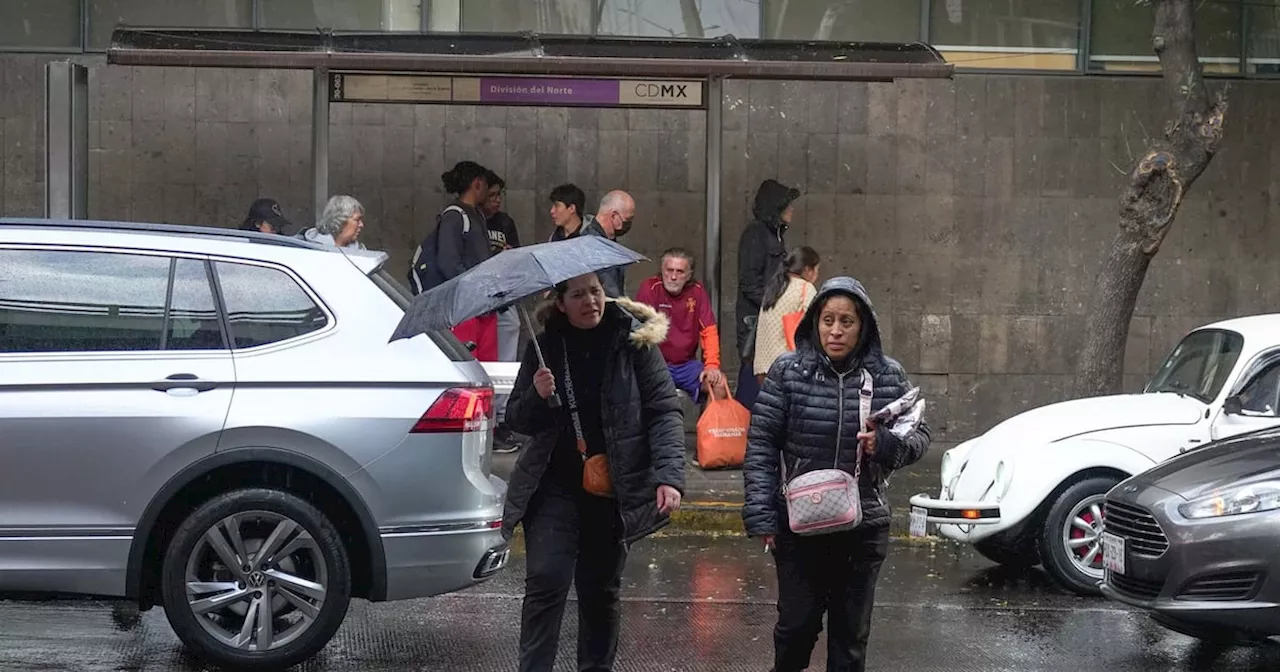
(527, 54)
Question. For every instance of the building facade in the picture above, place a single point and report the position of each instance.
(975, 210)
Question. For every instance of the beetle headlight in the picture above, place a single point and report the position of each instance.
(1004, 477)
(948, 467)
(1252, 498)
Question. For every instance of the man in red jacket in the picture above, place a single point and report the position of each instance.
(683, 300)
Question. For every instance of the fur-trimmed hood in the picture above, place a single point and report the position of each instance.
(646, 326)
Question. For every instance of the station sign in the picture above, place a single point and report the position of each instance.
(362, 87)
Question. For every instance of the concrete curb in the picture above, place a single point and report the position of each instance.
(724, 519)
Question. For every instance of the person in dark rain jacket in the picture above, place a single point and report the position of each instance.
(617, 401)
(807, 416)
(760, 252)
(459, 242)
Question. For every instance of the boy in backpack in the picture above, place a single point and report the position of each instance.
(460, 241)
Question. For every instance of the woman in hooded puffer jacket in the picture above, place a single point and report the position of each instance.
(806, 418)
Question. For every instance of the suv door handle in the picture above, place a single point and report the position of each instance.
(183, 380)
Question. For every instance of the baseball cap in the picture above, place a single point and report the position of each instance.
(268, 210)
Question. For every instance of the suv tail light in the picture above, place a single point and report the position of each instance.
(459, 409)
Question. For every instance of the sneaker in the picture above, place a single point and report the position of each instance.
(504, 441)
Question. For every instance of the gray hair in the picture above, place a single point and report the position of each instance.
(613, 201)
(336, 213)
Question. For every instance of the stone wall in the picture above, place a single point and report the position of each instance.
(975, 210)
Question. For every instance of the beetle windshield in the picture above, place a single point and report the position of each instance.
(1200, 365)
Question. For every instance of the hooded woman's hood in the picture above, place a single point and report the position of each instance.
(647, 328)
(868, 340)
(772, 198)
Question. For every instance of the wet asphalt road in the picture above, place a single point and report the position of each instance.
(692, 603)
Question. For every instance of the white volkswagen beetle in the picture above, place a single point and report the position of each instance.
(1031, 490)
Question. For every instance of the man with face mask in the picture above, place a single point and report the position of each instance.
(612, 220)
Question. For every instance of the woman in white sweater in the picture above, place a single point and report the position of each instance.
(790, 290)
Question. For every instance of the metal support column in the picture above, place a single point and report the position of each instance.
(715, 124)
(66, 141)
(320, 140)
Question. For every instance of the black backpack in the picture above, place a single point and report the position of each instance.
(424, 269)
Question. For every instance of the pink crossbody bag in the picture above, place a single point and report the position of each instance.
(827, 500)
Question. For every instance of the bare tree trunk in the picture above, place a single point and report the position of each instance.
(692, 18)
(1151, 200)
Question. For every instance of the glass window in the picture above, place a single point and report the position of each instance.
(391, 15)
(1199, 365)
(1261, 395)
(843, 20)
(193, 317)
(1023, 34)
(1264, 37)
(680, 18)
(40, 23)
(105, 15)
(566, 17)
(403, 298)
(1120, 38)
(54, 301)
(265, 305)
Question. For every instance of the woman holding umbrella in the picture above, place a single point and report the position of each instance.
(583, 492)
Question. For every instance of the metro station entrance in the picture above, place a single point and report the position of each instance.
(666, 76)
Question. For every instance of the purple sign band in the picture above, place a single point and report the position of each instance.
(549, 91)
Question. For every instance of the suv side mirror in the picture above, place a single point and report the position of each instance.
(1233, 406)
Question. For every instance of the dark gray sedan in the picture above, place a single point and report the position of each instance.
(1196, 540)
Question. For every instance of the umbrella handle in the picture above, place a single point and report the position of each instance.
(553, 401)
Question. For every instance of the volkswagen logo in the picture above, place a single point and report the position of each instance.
(256, 579)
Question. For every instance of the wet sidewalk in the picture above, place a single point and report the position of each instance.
(690, 604)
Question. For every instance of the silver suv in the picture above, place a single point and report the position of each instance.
(214, 421)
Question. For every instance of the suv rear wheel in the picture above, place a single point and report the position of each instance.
(256, 579)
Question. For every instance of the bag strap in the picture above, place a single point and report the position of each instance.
(864, 413)
(865, 394)
(466, 220)
(573, 402)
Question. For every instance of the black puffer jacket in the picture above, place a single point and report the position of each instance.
(798, 417)
(761, 250)
(643, 418)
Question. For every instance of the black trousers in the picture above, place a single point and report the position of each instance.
(572, 539)
(833, 574)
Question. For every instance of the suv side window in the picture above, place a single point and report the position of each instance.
(193, 316)
(71, 301)
(265, 305)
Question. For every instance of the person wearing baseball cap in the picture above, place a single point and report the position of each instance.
(265, 216)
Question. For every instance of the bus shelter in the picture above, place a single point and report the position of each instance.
(483, 69)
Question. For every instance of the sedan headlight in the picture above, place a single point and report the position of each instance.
(1251, 498)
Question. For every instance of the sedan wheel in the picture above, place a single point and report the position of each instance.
(256, 579)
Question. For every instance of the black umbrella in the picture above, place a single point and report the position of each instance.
(507, 278)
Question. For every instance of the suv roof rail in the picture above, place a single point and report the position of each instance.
(182, 229)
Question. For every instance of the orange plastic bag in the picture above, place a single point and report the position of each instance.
(791, 321)
(722, 432)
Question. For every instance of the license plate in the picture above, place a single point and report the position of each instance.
(1113, 553)
(919, 522)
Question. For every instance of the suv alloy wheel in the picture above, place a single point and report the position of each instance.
(256, 578)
